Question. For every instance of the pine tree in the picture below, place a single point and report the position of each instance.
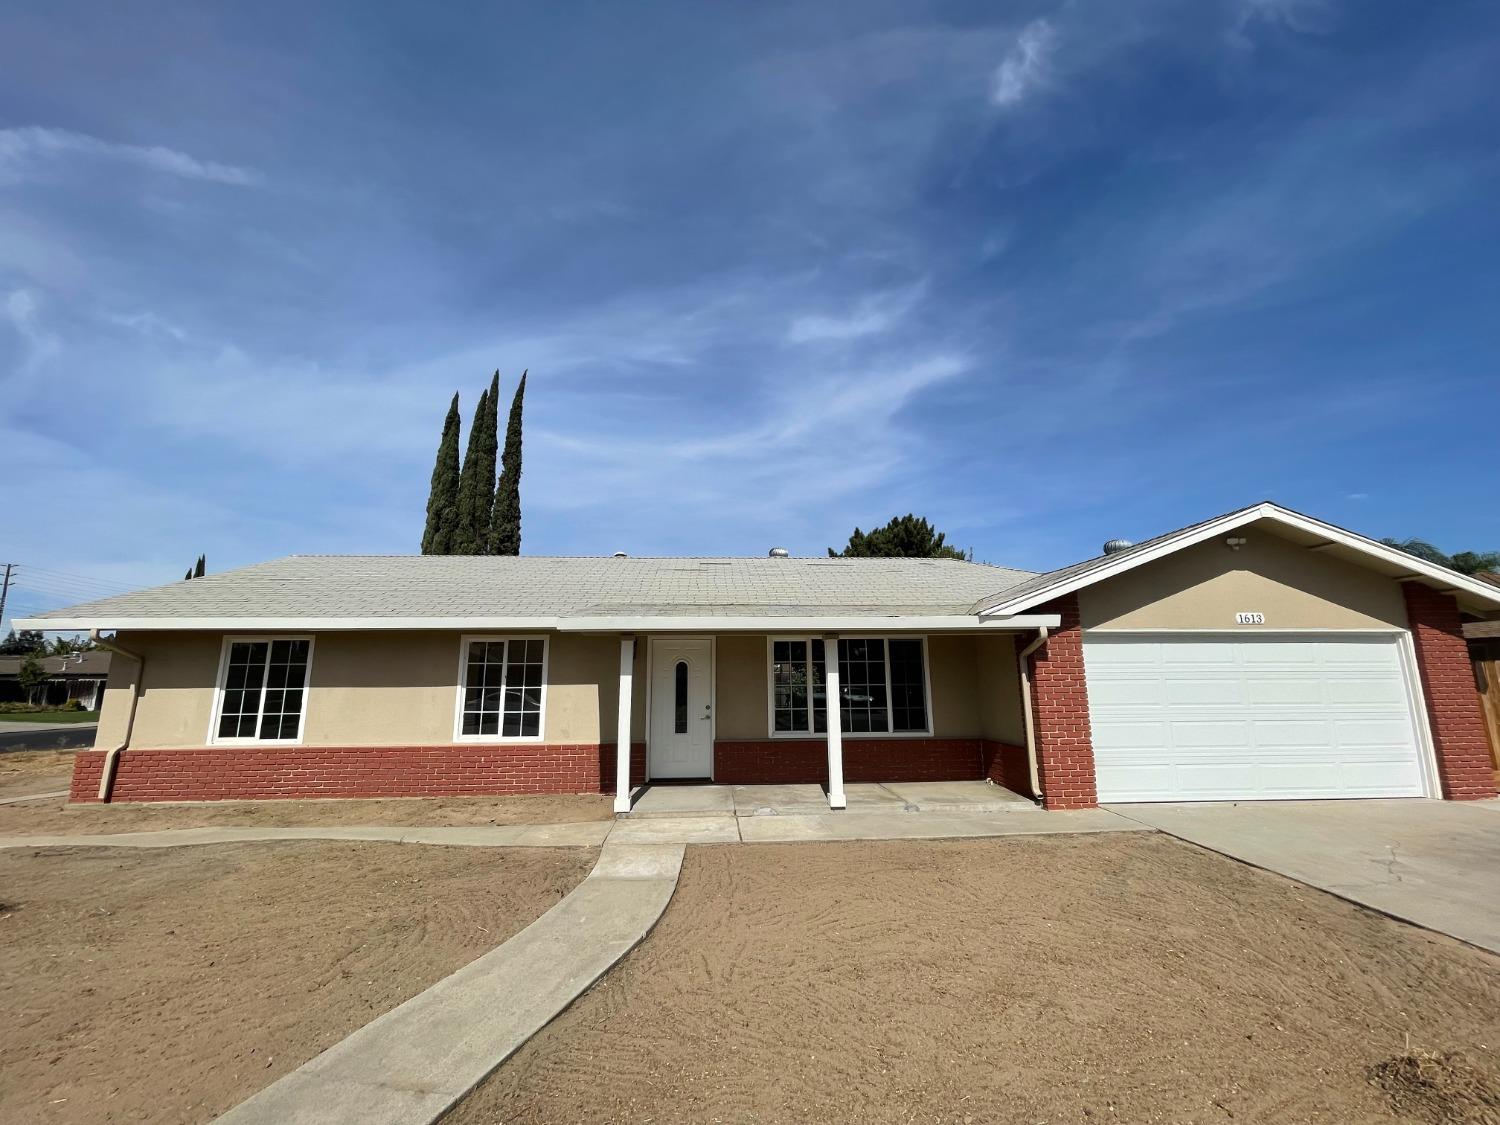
(442, 496)
(505, 525)
(905, 537)
(476, 482)
(202, 567)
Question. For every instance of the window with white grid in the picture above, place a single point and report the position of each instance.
(263, 689)
(503, 683)
(882, 686)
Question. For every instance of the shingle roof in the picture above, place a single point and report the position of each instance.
(1051, 578)
(415, 586)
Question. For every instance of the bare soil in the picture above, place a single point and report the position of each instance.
(1111, 978)
(58, 818)
(34, 771)
(168, 985)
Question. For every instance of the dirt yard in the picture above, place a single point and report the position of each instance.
(57, 818)
(1113, 978)
(34, 771)
(168, 985)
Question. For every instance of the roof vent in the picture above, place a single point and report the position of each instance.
(780, 553)
(621, 555)
(1115, 546)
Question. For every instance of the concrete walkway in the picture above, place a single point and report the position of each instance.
(414, 1063)
(32, 797)
(1432, 863)
(720, 829)
(582, 834)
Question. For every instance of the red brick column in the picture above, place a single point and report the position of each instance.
(1463, 756)
(1060, 713)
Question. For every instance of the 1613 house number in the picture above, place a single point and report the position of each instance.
(1249, 618)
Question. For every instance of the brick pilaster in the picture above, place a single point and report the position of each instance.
(1060, 713)
(1447, 675)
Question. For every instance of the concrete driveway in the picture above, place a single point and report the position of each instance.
(1434, 863)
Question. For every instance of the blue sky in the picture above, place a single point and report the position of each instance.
(1047, 273)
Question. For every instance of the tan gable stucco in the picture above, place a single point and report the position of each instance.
(1204, 586)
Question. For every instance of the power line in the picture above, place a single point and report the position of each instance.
(83, 578)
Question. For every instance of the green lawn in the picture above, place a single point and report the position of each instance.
(50, 717)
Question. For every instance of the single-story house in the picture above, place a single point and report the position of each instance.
(1261, 654)
(76, 676)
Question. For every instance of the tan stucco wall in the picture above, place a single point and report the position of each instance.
(743, 664)
(399, 689)
(999, 690)
(367, 689)
(177, 690)
(1202, 587)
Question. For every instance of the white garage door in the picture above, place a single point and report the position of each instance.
(1179, 717)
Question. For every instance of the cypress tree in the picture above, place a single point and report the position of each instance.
(202, 567)
(505, 526)
(442, 497)
(476, 483)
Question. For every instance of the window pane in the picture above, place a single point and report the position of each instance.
(862, 700)
(680, 700)
(908, 686)
(819, 699)
(789, 685)
(244, 676)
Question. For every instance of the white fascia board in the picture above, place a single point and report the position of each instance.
(1450, 579)
(293, 624)
(943, 623)
(644, 623)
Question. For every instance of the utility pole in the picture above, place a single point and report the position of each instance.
(5, 588)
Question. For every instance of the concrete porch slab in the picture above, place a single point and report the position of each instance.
(684, 800)
(869, 796)
(779, 800)
(960, 796)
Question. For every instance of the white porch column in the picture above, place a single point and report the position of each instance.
(835, 734)
(622, 727)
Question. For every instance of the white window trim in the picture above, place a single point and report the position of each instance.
(463, 675)
(219, 688)
(803, 735)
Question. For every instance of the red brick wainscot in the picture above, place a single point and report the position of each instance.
(274, 773)
(796, 760)
(1006, 765)
(1453, 713)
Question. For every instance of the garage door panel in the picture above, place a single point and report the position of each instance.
(1201, 691)
(1281, 692)
(1216, 718)
(1124, 693)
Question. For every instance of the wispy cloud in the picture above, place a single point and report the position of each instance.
(871, 315)
(28, 148)
(40, 346)
(1026, 66)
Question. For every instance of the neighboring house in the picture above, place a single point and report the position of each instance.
(1262, 654)
(78, 675)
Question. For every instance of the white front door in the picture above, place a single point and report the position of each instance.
(681, 727)
(1208, 718)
